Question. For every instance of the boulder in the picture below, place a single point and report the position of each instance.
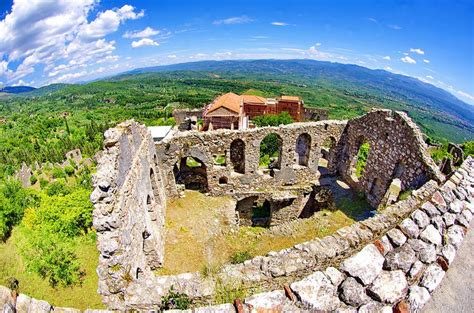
(449, 219)
(353, 293)
(334, 275)
(409, 228)
(365, 265)
(449, 252)
(400, 258)
(396, 237)
(389, 286)
(431, 234)
(420, 218)
(272, 301)
(316, 292)
(418, 297)
(455, 235)
(416, 269)
(432, 277)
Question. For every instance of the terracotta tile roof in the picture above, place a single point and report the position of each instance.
(290, 98)
(230, 100)
(254, 99)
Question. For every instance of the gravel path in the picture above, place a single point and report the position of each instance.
(456, 292)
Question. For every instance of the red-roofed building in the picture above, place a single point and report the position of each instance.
(231, 111)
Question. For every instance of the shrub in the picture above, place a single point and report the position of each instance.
(273, 120)
(240, 257)
(58, 173)
(175, 301)
(69, 170)
(43, 183)
(33, 179)
(14, 199)
(57, 188)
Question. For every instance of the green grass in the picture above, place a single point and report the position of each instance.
(82, 296)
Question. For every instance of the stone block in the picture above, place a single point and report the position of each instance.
(365, 265)
(316, 292)
(389, 286)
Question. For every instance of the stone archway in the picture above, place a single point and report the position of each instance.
(192, 173)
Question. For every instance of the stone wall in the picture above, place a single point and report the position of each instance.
(397, 150)
(129, 212)
(242, 173)
(397, 272)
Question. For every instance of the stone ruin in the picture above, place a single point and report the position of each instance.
(135, 177)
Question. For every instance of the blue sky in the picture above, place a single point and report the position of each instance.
(43, 42)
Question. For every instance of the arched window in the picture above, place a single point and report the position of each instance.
(303, 147)
(270, 152)
(237, 155)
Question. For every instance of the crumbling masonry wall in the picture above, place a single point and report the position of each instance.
(397, 150)
(234, 177)
(129, 211)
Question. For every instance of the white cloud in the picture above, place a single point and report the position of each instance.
(109, 58)
(172, 56)
(388, 68)
(426, 61)
(429, 77)
(55, 33)
(408, 60)
(393, 26)
(70, 76)
(147, 32)
(279, 24)
(417, 51)
(108, 22)
(3, 67)
(144, 42)
(372, 19)
(465, 95)
(233, 20)
(386, 58)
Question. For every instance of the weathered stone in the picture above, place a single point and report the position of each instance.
(431, 235)
(409, 228)
(455, 235)
(438, 223)
(449, 252)
(389, 286)
(462, 220)
(418, 297)
(371, 307)
(432, 277)
(316, 292)
(346, 309)
(400, 258)
(396, 237)
(387, 246)
(39, 306)
(365, 265)
(273, 300)
(449, 219)
(65, 310)
(439, 202)
(416, 269)
(420, 218)
(456, 206)
(334, 275)
(430, 209)
(353, 293)
(23, 303)
(424, 251)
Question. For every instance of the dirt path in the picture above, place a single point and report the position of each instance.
(456, 292)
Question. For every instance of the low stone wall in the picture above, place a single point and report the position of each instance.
(397, 272)
(26, 304)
